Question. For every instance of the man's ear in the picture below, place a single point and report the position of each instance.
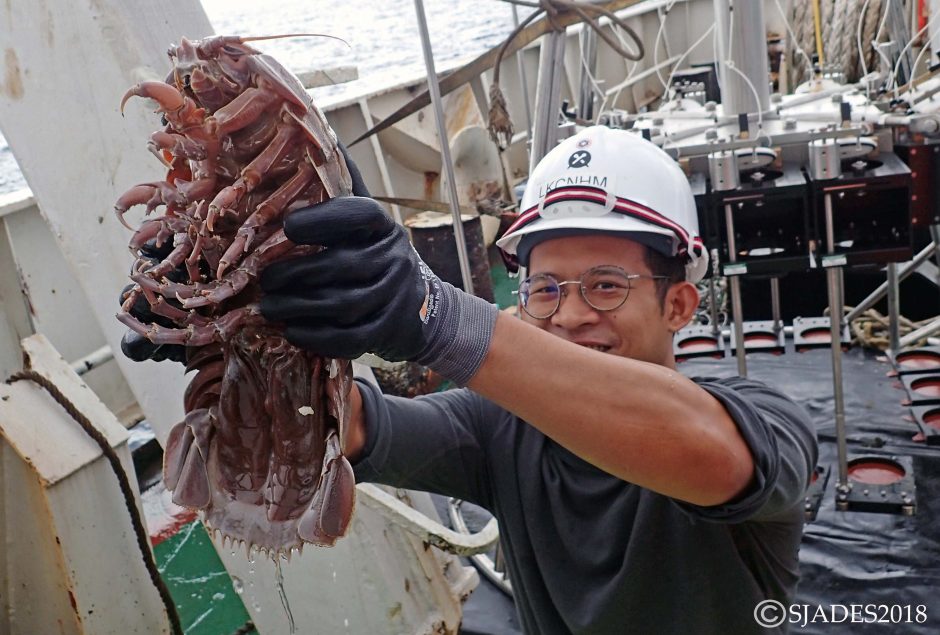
(682, 300)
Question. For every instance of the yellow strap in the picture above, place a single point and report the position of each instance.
(817, 21)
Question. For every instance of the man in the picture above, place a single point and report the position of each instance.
(630, 498)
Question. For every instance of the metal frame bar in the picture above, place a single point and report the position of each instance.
(380, 159)
(427, 529)
(834, 289)
(734, 282)
(903, 272)
(435, 90)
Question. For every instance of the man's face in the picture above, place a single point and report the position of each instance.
(640, 329)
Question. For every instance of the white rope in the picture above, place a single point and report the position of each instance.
(793, 42)
(851, 17)
(832, 46)
(805, 40)
(872, 19)
(858, 38)
(878, 51)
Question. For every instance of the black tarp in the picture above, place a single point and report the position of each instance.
(847, 558)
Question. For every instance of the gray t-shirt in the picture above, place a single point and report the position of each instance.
(588, 552)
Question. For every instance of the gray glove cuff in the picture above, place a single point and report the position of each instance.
(462, 328)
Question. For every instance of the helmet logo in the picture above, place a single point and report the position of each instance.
(580, 159)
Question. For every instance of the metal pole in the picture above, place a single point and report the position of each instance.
(435, 91)
(835, 330)
(741, 25)
(775, 303)
(933, 29)
(894, 313)
(587, 41)
(93, 360)
(547, 97)
(713, 306)
(903, 272)
(924, 331)
(734, 282)
(935, 238)
(520, 62)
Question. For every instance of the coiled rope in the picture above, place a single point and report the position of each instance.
(126, 490)
(872, 20)
(872, 329)
(844, 25)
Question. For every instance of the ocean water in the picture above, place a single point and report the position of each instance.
(382, 36)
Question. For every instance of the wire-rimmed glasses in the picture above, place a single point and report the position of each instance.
(604, 288)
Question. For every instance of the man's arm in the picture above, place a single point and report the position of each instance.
(355, 439)
(641, 422)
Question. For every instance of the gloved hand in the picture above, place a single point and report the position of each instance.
(368, 291)
(135, 346)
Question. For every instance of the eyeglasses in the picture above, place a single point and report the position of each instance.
(604, 288)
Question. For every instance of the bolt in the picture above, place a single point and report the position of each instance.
(789, 124)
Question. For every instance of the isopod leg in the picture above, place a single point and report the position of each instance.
(185, 460)
(327, 518)
(267, 211)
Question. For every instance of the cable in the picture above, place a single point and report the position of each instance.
(884, 19)
(914, 67)
(729, 63)
(691, 48)
(760, 116)
(630, 73)
(659, 34)
(897, 67)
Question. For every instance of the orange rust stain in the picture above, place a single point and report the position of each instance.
(462, 111)
(12, 84)
(430, 184)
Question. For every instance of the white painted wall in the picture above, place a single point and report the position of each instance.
(65, 68)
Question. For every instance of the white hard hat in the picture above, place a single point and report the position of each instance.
(606, 180)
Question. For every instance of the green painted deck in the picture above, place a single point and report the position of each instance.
(200, 585)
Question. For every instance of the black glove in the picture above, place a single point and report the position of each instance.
(368, 291)
(134, 345)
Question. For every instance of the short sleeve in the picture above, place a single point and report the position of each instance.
(783, 445)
